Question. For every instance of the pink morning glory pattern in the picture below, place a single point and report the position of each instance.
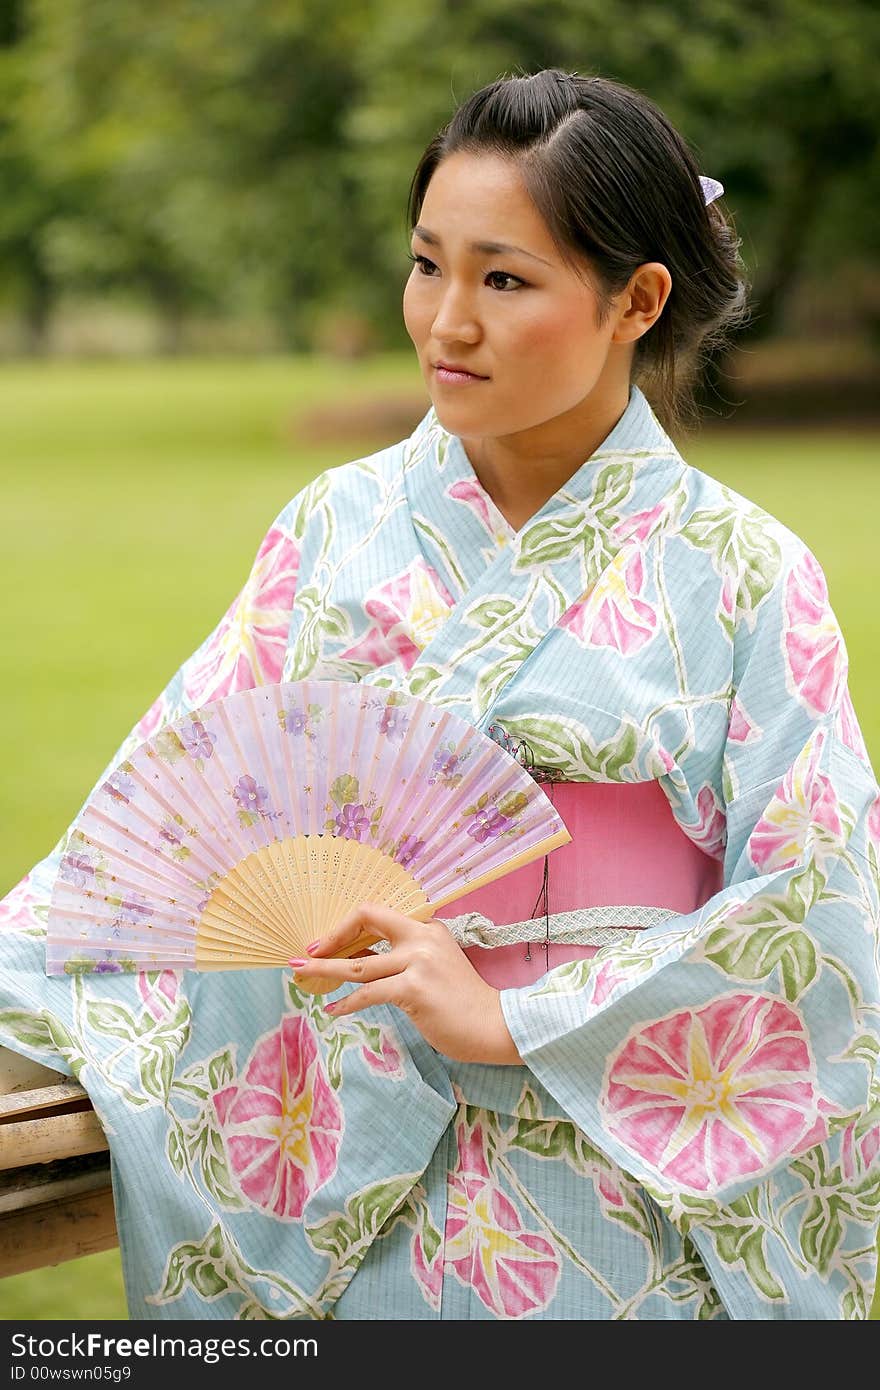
(281, 1124)
(248, 646)
(488, 1242)
(613, 614)
(740, 728)
(814, 650)
(803, 814)
(706, 1095)
(710, 831)
(406, 611)
(472, 494)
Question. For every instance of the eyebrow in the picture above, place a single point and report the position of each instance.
(490, 248)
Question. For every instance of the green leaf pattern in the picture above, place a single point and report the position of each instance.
(744, 552)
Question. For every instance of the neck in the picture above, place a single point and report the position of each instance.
(522, 471)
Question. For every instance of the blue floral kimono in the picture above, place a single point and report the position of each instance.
(694, 1131)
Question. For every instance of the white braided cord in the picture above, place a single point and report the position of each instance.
(583, 926)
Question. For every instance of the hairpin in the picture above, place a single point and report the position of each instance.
(712, 189)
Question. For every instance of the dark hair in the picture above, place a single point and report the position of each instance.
(617, 186)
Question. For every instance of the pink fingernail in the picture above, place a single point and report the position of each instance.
(312, 946)
(328, 1008)
(297, 963)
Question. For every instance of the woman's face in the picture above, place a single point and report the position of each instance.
(518, 317)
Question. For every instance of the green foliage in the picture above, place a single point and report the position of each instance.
(256, 155)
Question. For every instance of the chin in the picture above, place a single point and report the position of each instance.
(457, 421)
(461, 417)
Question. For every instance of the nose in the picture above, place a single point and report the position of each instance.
(454, 321)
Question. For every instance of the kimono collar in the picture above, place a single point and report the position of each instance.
(434, 454)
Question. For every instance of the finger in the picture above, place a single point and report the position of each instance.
(357, 968)
(365, 923)
(385, 991)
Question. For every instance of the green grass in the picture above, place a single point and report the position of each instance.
(134, 497)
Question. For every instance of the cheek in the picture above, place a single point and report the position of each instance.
(415, 316)
(565, 332)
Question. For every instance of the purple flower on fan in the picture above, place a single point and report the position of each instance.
(353, 823)
(444, 765)
(133, 908)
(120, 786)
(488, 824)
(249, 795)
(107, 967)
(393, 723)
(76, 869)
(197, 741)
(295, 721)
(409, 849)
(172, 832)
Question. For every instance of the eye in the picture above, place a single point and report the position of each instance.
(422, 262)
(503, 275)
(427, 266)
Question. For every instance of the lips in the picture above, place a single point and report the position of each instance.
(456, 367)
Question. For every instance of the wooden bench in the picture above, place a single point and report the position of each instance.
(56, 1199)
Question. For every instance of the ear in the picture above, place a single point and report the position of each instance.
(641, 303)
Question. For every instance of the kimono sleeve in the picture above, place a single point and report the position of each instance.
(245, 649)
(710, 1051)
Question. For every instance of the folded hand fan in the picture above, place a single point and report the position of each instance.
(241, 832)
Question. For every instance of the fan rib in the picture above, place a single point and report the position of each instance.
(397, 787)
(449, 862)
(220, 824)
(264, 898)
(275, 890)
(416, 827)
(281, 859)
(154, 872)
(94, 813)
(286, 715)
(360, 888)
(562, 837)
(164, 777)
(137, 877)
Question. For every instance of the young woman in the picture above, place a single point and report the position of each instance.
(634, 1080)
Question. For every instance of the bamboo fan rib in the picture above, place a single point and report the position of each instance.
(241, 832)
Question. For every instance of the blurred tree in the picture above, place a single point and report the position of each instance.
(255, 155)
(209, 137)
(105, 104)
(30, 194)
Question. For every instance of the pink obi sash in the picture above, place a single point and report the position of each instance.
(626, 848)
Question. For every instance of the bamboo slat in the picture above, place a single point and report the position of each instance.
(50, 1182)
(57, 1231)
(56, 1197)
(18, 1073)
(42, 1140)
(20, 1104)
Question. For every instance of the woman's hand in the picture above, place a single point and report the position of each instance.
(426, 974)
